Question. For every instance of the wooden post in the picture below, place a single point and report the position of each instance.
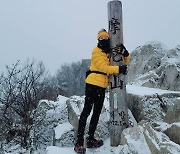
(118, 106)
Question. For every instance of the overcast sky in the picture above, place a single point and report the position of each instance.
(60, 31)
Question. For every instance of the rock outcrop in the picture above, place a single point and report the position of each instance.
(153, 65)
(144, 139)
(173, 132)
(173, 113)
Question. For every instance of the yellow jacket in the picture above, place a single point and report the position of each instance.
(100, 62)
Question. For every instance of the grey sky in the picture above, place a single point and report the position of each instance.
(59, 31)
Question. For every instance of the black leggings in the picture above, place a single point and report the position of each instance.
(94, 96)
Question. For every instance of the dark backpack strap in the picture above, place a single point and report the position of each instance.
(97, 72)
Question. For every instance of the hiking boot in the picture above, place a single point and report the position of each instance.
(94, 143)
(80, 149)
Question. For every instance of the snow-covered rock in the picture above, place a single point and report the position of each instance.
(147, 103)
(173, 132)
(134, 139)
(153, 65)
(173, 113)
(139, 139)
(144, 139)
(149, 134)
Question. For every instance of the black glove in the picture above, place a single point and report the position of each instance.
(124, 51)
(123, 69)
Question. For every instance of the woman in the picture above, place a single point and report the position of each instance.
(96, 83)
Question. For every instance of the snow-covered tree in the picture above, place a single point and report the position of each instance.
(21, 89)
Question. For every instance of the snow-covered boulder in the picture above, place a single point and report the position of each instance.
(149, 103)
(145, 103)
(59, 120)
(153, 65)
(173, 113)
(144, 139)
(134, 139)
(64, 135)
(173, 132)
(72, 116)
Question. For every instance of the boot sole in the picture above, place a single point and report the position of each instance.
(81, 152)
(95, 146)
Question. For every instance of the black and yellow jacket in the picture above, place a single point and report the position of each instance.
(100, 62)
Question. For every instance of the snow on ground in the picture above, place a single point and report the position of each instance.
(138, 140)
(62, 98)
(105, 149)
(58, 150)
(61, 129)
(142, 91)
(163, 125)
(61, 101)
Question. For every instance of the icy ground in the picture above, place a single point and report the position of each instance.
(106, 148)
